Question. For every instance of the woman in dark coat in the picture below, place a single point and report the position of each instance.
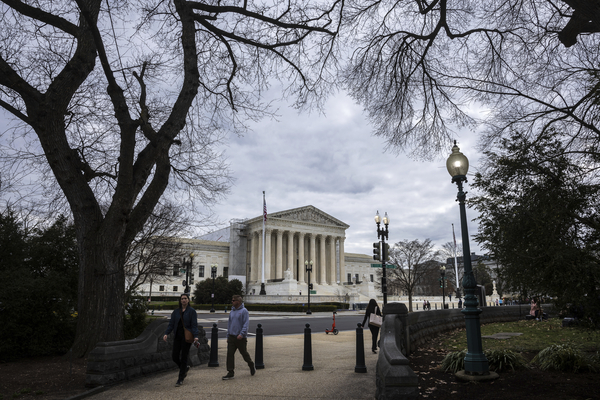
(372, 308)
(183, 316)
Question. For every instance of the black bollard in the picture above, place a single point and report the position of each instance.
(360, 367)
(307, 350)
(258, 350)
(214, 347)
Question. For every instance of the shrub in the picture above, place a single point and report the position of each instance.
(565, 358)
(39, 269)
(499, 360)
(223, 290)
(504, 360)
(134, 322)
(454, 361)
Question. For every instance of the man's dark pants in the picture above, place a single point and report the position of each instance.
(233, 344)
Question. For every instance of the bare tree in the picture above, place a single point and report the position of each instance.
(424, 68)
(414, 260)
(154, 248)
(121, 103)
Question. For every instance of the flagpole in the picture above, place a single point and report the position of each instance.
(455, 265)
(262, 282)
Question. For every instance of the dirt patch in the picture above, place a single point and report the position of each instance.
(46, 378)
(529, 384)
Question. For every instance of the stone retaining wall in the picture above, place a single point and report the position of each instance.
(114, 362)
(402, 333)
(422, 326)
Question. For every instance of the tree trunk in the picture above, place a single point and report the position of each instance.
(410, 301)
(101, 294)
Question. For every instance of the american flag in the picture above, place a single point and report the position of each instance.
(264, 208)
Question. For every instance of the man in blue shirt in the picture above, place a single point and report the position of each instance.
(237, 336)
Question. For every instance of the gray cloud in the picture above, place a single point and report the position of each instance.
(333, 162)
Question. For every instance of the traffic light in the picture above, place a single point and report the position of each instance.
(310, 286)
(386, 252)
(377, 251)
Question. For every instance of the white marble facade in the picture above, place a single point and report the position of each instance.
(291, 238)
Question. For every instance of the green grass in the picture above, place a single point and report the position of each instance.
(536, 336)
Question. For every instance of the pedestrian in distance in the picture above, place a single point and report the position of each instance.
(460, 303)
(237, 336)
(182, 319)
(372, 308)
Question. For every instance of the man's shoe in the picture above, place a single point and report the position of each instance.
(252, 369)
(179, 382)
(227, 377)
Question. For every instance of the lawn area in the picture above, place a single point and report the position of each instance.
(536, 336)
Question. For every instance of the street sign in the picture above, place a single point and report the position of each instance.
(387, 266)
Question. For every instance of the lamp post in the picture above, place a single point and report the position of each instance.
(308, 265)
(213, 274)
(475, 361)
(443, 285)
(188, 272)
(383, 234)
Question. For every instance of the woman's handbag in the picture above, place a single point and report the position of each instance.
(189, 338)
(375, 320)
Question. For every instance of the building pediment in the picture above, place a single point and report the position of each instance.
(306, 214)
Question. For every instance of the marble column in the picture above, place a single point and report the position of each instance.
(253, 256)
(322, 262)
(267, 254)
(332, 265)
(313, 256)
(259, 258)
(301, 257)
(290, 251)
(279, 256)
(342, 261)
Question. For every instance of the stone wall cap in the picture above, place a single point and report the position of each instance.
(395, 308)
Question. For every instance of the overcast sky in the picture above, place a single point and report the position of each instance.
(334, 163)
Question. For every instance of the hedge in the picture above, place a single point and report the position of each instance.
(319, 307)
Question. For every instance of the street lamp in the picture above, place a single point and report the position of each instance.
(383, 234)
(443, 285)
(188, 272)
(475, 361)
(308, 265)
(213, 274)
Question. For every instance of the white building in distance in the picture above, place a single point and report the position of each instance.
(292, 238)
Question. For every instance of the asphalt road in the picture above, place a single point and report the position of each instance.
(282, 325)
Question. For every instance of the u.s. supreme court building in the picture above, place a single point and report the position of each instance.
(292, 237)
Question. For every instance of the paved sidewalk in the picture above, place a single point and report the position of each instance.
(333, 377)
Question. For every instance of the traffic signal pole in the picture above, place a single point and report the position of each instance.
(381, 252)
